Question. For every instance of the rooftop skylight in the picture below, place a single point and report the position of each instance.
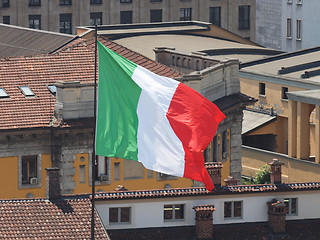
(3, 93)
(52, 89)
(27, 91)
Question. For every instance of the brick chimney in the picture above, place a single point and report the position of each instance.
(53, 190)
(275, 173)
(214, 170)
(230, 181)
(277, 216)
(204, 218)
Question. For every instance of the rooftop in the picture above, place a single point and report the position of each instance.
(20, 41)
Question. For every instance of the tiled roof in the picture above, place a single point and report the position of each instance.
(74, 62)
(44, 219)
(295, 230)
(196, 191)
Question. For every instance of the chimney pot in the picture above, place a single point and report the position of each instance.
(230, 181)
(214, 170)
(277, 216)
(204, 218)
(275, 173)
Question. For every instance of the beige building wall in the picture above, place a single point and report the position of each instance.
(50, 11)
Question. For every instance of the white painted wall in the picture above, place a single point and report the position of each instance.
(149, 212)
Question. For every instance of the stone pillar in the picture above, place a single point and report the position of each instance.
(277, 216)
(317, 134)
(53, 191)
(230, 181)
(214, 170)
(303, 131)
(204, 218)
(275, 174)
(292, 129)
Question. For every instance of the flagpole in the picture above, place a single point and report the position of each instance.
(93, 173)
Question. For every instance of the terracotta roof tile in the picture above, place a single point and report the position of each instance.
(44, 219)
(176, 192)
(73, 62)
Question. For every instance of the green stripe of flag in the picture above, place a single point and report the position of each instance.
(118, 97)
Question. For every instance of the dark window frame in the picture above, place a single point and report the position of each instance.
(125, 1)
(6, 19)
(124, 18)
(292, 206)
(262, 89)
(155, 15)
(97, 176)
(93, 2)
(35, 3)
(29, 168)
(65, 2)
(173, 212)
(64, 20)
(94, 17)
(185, 14)
(244, 17)
(233, 210)
(6, 3)
(213, 18)
(284, 91)
(120, 215)
(32, 19)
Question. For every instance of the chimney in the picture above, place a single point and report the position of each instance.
(53, 191)
(277, 216)
(204, 218)
(230, 181)
(275, 173)
(214, 170)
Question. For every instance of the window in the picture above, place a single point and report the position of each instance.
(3, 93)
(82, 173)
(215, 16)
(65, 2)
(185, 14)
(6, 3)
(116, 171)
(156, 15)
(95, 1)
(292, 206)
(126, 1)
(35, 21)
(155, 0)
(262, 89)
(126, 17)
(95, 18)
(102, 168)
(119, 215)
(34, 2)
(289, 28)
(6, 19)
(27, 91)
(244, 17)
(299, 2)
(52, 89)
(233, 209)
(65, 23)
(29, 169)
(298, 29)
(173, 212)
(284, 93)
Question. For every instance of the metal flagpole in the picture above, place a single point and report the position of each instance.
(94, 135)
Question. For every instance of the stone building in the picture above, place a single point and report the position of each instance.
(63, 16)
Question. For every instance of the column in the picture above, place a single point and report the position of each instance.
(317, 134)
(303, 131)
(292, 129)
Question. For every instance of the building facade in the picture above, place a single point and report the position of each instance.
(287, 25)
(65, 15)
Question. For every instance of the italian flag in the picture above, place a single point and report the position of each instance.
(155, 120)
